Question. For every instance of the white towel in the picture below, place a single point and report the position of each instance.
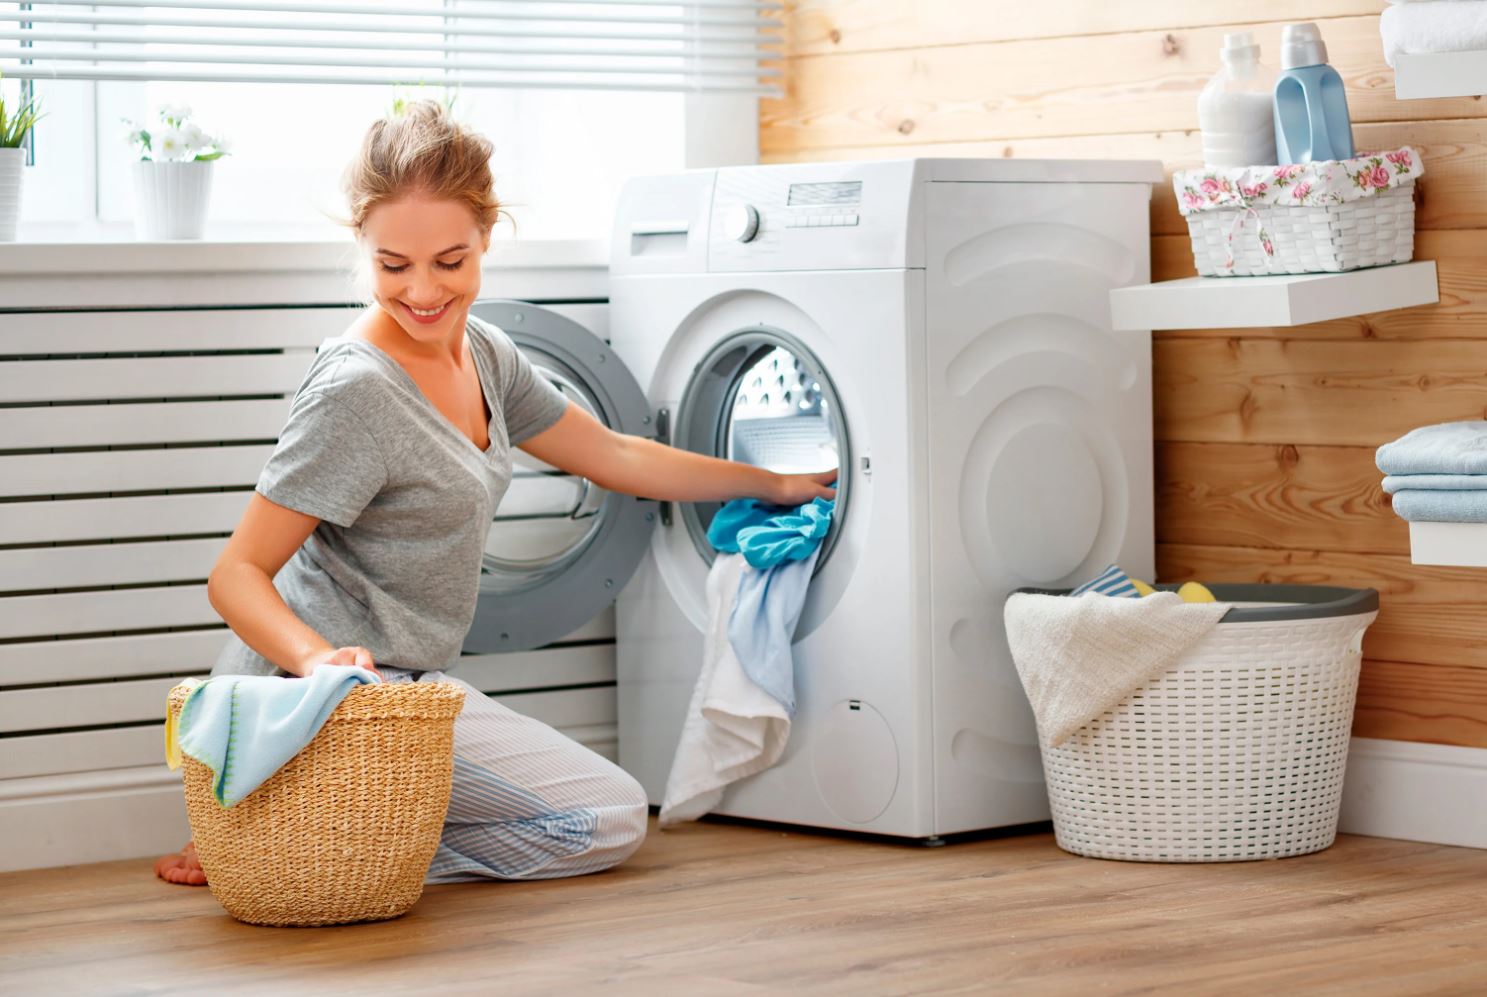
(733, 728)
(1435, 26)
(1080, 656)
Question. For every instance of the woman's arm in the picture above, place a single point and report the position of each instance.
(241, 590)
(579, 444)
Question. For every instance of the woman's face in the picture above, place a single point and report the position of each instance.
(425, 262)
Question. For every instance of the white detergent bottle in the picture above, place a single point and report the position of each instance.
(1235, 109)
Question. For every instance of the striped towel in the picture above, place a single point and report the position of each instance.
(1112, 581)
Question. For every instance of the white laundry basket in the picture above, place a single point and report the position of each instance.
(1237, 751)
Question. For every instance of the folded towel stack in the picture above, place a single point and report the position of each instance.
(1413, 28)
(1438, 474)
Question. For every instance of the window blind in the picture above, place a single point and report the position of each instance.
(687, 45)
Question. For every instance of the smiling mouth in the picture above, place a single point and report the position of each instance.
(426, 313)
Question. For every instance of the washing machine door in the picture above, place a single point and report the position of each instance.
(561, 547)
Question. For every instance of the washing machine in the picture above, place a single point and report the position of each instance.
(939, 331)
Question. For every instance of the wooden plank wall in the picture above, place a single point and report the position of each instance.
(1265, 437)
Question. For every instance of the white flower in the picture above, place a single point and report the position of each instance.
(196, 139)
(136, 136)
(219, 143)
(175, 112)
(170, 145)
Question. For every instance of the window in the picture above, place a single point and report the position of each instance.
(590, 93)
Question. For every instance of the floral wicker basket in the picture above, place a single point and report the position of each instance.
(1321, 217)
(347, 829)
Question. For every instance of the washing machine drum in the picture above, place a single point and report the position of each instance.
(760, 396)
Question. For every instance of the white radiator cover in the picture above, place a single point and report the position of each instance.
(130, 439)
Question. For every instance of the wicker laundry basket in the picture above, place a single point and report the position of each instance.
(347, 829)
(1322, 217)
(1235, 752)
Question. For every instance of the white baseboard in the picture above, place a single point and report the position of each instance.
(125, 813)
(1418, 792)
(91, 817)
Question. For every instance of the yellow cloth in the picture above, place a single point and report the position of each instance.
(172, 735)
(1190, 591)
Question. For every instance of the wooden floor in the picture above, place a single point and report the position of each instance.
(728, 909)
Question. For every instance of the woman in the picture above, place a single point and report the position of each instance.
(363, 542)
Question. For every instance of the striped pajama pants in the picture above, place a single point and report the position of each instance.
(527, 802)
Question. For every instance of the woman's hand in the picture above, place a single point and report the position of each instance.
(798, 489)
(355, 656)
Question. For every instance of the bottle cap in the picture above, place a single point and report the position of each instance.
(1301, 45)
(1239, 46)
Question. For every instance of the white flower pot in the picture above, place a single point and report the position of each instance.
(171, 199)
(11, 163)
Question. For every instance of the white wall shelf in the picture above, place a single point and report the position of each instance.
(1452, 545)
(1279, 300)
(1440, 74)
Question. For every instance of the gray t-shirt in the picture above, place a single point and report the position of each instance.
(404, 499)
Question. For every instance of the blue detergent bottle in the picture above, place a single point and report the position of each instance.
(1311, 110)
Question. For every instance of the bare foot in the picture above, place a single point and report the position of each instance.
(183, 867)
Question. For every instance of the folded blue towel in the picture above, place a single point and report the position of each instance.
(246, 727)
(1447, 448)
(1419, 505)
(767, 535)
(1435, 482)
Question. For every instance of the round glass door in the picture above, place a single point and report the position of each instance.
(560, 547)
(760, 396)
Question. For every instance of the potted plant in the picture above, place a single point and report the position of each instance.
(15, 124)
(173, 178)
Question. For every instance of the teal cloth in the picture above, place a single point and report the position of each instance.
(246, 727)
(1435, 482)
(767, 535)
(1446, 448)
(1420, 505)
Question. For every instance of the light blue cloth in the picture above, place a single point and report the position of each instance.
(781, 546)
(1447, 448)
(1112, 582)
(1435, 482)
(763, 623)
(1419, 505)
(246, 727)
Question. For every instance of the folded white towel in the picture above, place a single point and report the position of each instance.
(733, 728)
(1080, 656)
(1433, 26)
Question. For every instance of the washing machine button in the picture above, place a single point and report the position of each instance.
(741, 222)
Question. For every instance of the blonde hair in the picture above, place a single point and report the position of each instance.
(422, 151)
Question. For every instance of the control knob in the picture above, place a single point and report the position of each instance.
(741, 222)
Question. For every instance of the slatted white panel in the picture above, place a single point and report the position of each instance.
(137, 516)
(42, 333)
(152, 377)
(102, 559)
(131, 470)
(35, 568)
(46, 426)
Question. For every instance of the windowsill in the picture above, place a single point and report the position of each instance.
(224, 251)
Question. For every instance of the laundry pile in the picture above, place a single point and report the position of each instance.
(1438, 474)
(738, 720)
(1414, 27)
(1081, 654)
(247, 727)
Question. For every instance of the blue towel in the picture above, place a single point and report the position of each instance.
(1447, 448)
(1419, 505)
(767, 535)
(1435, 482)
(1113, 582)
(780, 545)
(246, 727)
